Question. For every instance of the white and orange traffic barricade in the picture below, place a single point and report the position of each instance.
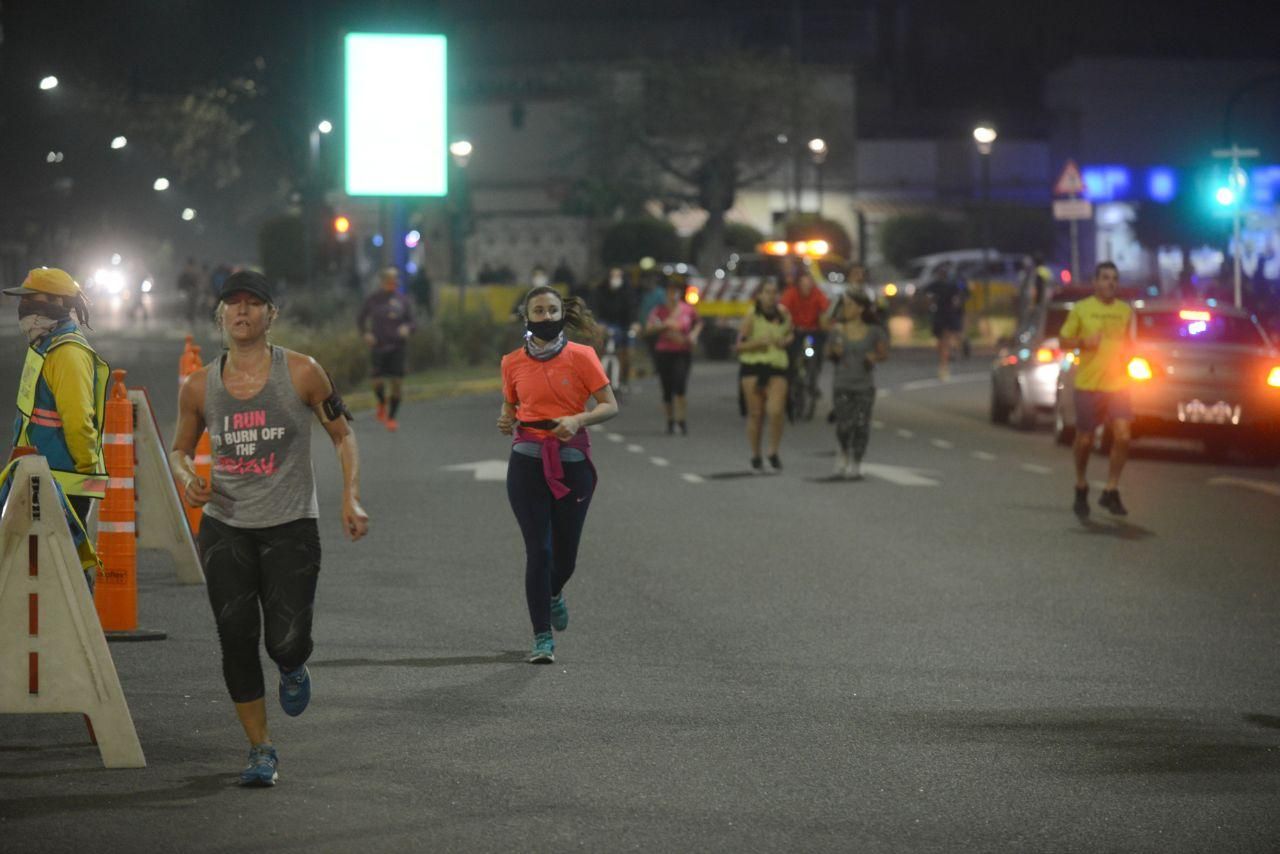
(116, 591)
(53, 655)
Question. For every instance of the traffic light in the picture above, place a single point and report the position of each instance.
(341, 226)
(1230, 190)
(1225, 195)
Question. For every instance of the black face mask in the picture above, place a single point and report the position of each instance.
(51, 310)
(545, 330)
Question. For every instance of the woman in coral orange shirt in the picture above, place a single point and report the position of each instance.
(550, 478)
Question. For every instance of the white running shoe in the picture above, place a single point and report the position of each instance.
(853, 471)
(842, 463)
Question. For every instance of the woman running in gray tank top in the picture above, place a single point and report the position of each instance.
(258, 538)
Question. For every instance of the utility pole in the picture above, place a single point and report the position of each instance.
(1237, 181)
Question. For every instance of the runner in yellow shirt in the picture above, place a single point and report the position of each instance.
(1098, 327)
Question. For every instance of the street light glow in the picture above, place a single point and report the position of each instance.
(119, 143)
(53, 157)
(325, 126)
(461, 151)
(160, 185)
(818, 146)
(984, 134)
(188, 214)
(49, 82)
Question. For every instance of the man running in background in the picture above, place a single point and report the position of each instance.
(386, 321)
(1098, 326)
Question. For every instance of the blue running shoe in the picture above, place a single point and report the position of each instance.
(295, 691)
(262, 767)
(559, 613)
(544, 649)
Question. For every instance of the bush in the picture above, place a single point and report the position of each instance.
(628, 241)
(738, 237)
(453, 341)
(911, 235)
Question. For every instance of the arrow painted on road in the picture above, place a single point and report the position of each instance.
(900, 475)
(484, 469)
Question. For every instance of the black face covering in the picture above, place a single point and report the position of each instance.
(545, 330)
(51, 310)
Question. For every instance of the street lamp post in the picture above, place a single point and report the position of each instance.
(460, 153)
(309, 191)
(818, 154)
(984, 136)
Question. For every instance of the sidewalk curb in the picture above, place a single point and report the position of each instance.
(364, 400)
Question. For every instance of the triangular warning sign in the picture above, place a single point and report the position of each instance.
(53, 655)
(1070, 182)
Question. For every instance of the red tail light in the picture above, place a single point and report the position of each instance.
(1273, 378)
(1140, 369)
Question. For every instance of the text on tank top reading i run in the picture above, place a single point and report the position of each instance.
(247, 443)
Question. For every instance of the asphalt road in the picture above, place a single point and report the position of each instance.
(936, 658)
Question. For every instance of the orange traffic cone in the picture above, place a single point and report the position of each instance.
(116, 591)
(203, 462)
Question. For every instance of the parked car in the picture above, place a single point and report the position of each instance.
(1204, 371)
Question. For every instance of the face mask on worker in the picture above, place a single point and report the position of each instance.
(38, 319)
(545, 330)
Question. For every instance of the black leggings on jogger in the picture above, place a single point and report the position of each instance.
(260, 576)
(552, 528)
(673, 373)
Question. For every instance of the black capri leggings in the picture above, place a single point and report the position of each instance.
(551, 527)
(673, 373)
(273, 569)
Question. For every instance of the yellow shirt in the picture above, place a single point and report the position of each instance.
(1102, 368)
(69, 372)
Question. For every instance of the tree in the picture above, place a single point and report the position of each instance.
(713, 126)
(911, 235)
(628, 241)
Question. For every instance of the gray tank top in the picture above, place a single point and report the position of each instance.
(262, 473)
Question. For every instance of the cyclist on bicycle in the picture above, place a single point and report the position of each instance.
(807, 305)
(614, 306)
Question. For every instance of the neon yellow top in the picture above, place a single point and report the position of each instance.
(1102, 368)
(771, 332)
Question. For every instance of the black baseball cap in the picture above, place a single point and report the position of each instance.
(249, 282)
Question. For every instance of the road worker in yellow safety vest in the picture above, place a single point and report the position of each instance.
(61, 400)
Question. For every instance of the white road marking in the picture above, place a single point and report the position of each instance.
(636, 449)
(661, 462)
(986, 456)
(941, 443)
(484, 469)
(1266, 486)
(917, 385)
(900, 475)
(692, 478)
(1036, 469)
(615, 437)
(906, 434)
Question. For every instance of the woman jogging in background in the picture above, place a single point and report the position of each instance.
(677, 327)
(258, 537)
(550, 476)
(763, 339)
(858, 342)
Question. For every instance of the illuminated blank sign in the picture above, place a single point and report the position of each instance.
(396, 115)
